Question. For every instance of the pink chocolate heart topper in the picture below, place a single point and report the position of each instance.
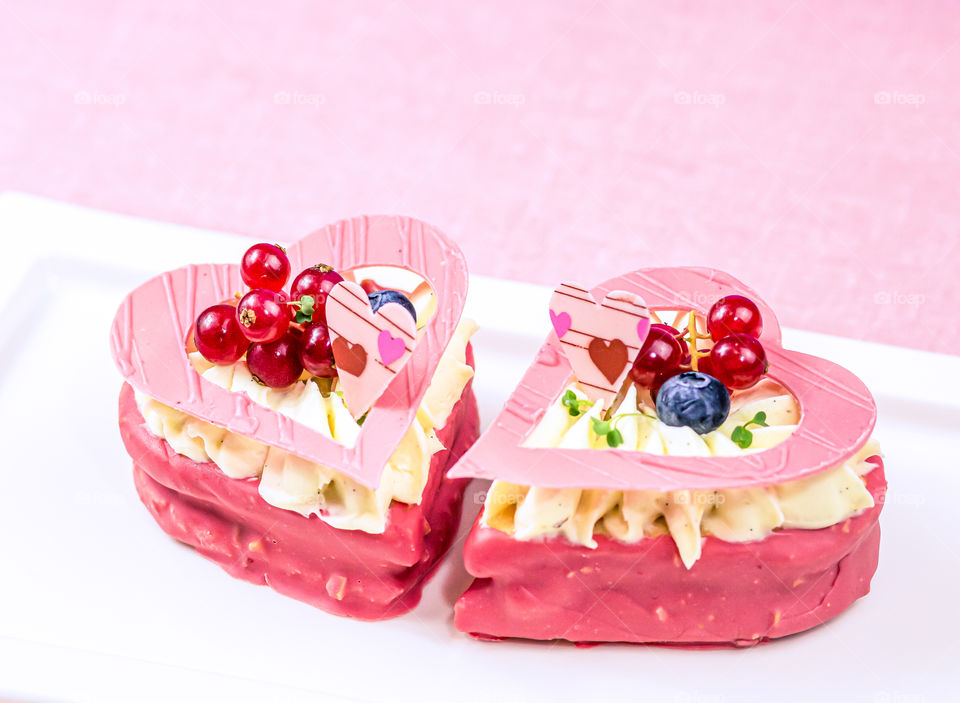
(386, 336)
(601, 340)
(837, 411)
(149, 334)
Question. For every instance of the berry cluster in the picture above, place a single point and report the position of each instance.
(282, 334)
(691, 384)
(736, 357)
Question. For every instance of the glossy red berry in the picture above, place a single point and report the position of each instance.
(218, 336)
(316, 351)
(669, 329)
(263, 315)
(703, 365)
(265, 266)
(738, 361)
(659, 357)
(734, 314)
(277, 363)
(317, 282)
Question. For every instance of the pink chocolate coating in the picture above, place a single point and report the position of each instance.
(838, 413)
(735, 594)
(149, 334)
(345, 572)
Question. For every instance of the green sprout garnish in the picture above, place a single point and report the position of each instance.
(576, 406)
(304, 308)
(741, 434)
(608, 429)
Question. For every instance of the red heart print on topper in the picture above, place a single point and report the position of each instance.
(369, 347)
(351, 358)
(149, 333)
(837, 412)
(601, 340)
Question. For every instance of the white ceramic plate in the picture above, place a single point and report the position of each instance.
(97, 604)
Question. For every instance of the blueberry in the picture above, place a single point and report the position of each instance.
(382, 297)
(694, 399)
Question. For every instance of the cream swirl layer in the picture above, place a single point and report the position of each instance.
(733, 515)
(292, 483)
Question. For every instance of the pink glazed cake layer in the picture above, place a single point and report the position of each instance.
(345, 572)
(737, 594)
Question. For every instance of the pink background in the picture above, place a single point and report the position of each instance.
(812, 150)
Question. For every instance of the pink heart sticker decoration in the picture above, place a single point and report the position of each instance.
(149, 332)
(391, 348)
(350, 318)
(598, 338)
(838, 413)
(561, 322)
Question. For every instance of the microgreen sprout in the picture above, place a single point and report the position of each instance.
(742, 435)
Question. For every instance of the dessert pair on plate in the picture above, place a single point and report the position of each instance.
(688, 483)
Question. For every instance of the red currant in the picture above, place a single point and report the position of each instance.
(660, 355)
(291, 309)
(703, 365)
(265, 266)
(316, 351)
(218, 336)
(317, 282)
(738, 361)
(678, 335)
(734, 314)
(277, 363)
(263, 315)
(669, 329)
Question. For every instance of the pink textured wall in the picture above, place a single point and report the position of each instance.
(811, 148)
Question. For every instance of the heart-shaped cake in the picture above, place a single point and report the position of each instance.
(722, 490)
(297, 433)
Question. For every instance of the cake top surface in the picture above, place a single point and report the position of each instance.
(838, 413)
(149, 336)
